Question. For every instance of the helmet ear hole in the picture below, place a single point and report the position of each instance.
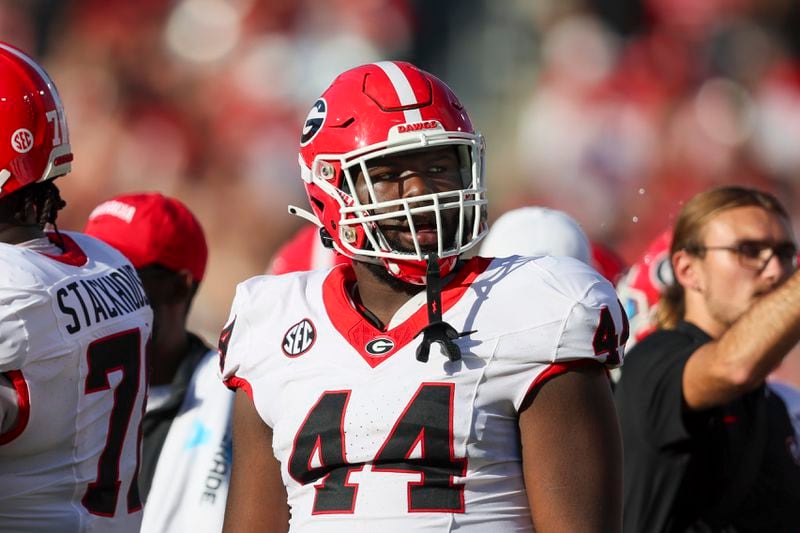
(327, 240)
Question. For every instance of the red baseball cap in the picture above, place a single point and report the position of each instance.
(150, 228)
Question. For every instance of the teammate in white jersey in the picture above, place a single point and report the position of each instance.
(74, 321)
(411, 390)
(186, 429)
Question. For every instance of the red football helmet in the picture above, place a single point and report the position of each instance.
(34, 140)
(304, 251)
(607, 261)
(384, 109)
(641, 287)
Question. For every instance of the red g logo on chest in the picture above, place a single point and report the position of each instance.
(299, 338)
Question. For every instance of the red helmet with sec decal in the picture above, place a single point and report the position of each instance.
(383, 109)
(641, 287)
(34, 140)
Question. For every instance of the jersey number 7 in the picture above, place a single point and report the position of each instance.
(425, 424)
(119, 352)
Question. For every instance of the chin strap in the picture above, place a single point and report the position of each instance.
(436, 330)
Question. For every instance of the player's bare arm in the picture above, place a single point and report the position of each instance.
(257, 497)
(583, 457)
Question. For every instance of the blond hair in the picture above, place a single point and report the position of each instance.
(689, 231)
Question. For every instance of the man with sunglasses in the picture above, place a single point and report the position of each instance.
(708, 447)
(186, 427)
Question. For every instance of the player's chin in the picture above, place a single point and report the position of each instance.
(428, 240)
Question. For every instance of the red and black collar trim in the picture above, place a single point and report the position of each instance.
(73, 254)
(358, 331)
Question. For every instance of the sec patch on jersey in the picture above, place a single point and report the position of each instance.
(299, 338)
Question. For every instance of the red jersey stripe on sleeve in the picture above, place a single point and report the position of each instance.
(23, 403)
(556, 369)
(235, 382)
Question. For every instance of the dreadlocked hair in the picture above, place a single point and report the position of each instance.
(50, 205)
(42, 198)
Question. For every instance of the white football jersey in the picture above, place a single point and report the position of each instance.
(371, 439)
(73, 330)
(790, 394)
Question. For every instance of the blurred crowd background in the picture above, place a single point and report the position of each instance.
(615, 111)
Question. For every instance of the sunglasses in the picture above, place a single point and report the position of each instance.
(756, 254)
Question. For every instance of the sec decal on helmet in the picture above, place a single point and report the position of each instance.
(382, 109)
(34, 139)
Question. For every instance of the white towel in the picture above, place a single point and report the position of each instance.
(190, 484)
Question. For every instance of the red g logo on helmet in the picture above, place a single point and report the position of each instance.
(32, 122)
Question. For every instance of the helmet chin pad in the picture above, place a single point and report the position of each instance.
(413, 271)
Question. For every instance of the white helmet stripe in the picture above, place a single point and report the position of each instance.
(404, 91)
(39, 70)
(5, 175)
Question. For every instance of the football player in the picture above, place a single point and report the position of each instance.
(74, 321)
(412, 390)
(641, 287)
(185, 463)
